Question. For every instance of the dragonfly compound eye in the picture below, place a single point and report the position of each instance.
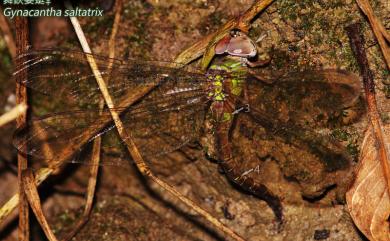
(238, 44)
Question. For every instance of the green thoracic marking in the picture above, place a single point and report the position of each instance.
(219, 96)
(218, 78)
(227, 116)
(236, 87)
(218, 88)
(229, 65)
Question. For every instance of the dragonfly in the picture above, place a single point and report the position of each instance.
(165, 106)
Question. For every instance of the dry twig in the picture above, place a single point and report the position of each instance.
(379, 30)
(97, 142)
(21, 98)
(7, 33)
(13, 114)
(41, 175)
(29, 186)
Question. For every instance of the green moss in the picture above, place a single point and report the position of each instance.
(317, 39)
(386, 90)
(351, 140)
(135, 39)
(350, 59)
(288, 9)
(137, 9)
(66, 218)
(375, 4)
(6, 61)
(217, 18)
(385, 117)
(308, 21)
(323, 22)
(353, 149)
(138, 41)
(386, 82)
(386, 74)
(340, 135)
(293, 48)
(303, 175)
(211, 22)
(5, 58)
(280, 58)
(330, 4)
(95, 28)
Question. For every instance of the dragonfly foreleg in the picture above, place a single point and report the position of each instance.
(257, 63)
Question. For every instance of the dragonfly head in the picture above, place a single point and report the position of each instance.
(237, 44)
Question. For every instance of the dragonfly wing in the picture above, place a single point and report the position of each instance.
(157, 126)
(310, 98)
(67, 73)
(296, 109)
(321, 144)
(165, 126)
(57, 137)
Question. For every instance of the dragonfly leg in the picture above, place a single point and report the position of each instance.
(258, 63)
(189, 151)
(261, 78)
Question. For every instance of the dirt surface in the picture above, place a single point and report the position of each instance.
(299, 35)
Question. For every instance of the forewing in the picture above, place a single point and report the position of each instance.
(66, 75)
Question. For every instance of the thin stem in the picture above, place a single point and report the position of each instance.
(357, 41)
(21, 98)
(13, 114)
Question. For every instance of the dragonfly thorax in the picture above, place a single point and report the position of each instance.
(224, 87)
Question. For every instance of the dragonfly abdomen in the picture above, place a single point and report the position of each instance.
(233, 171)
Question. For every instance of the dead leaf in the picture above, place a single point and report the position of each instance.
(368, 200)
